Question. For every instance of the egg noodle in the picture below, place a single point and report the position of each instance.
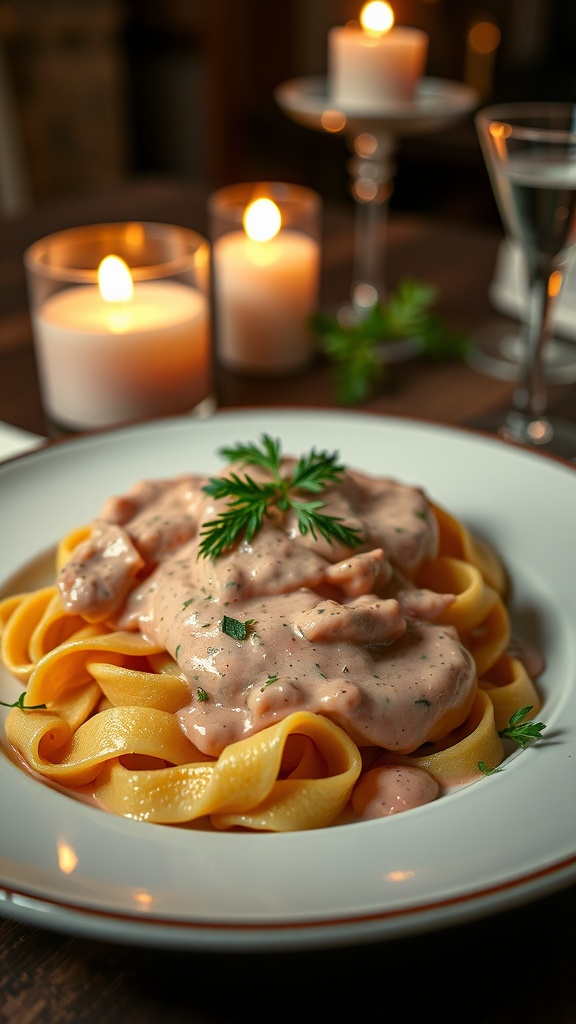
(290, 682)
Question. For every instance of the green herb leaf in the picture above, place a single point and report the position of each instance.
(235, 628)
(201, 695)
(488, 771)
(519, 731)
(269, 681)
(315, 470)
(269, 456)
(250, 500)
(20, 704)
(218, 535)
(353, 349)
(310, 520)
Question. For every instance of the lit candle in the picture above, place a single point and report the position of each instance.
(122, 350)
(266, 286)
(375, 63)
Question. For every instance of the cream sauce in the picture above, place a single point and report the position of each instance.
(337, 631)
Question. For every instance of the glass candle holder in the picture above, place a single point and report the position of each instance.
(121, 323)
(265, 241)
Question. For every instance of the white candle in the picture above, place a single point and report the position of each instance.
(107, 362)
(371, 67)
(265, 289)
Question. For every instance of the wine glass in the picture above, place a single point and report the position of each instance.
(530, 154)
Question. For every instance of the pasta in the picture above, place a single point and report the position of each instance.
(292, 681)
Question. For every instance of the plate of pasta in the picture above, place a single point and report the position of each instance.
(284, 679)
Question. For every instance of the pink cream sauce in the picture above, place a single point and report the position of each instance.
(336, 631)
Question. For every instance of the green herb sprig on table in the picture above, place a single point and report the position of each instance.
(354, 349)
(250, 500)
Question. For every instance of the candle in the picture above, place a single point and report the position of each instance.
(266, 286)
(373, 64)
(121, 323)
(131, 356)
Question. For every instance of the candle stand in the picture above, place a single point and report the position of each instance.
(373, 139)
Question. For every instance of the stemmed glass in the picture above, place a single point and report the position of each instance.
(530, 154)
(373, 138)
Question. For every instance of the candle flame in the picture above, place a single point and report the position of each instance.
(262, 220)
(377, 17)
(115, 280)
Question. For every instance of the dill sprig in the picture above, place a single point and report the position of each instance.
(250, 500)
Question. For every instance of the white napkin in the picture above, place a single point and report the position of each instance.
(509, 292)
(14, 441)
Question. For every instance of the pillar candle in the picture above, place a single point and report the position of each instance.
(108, 362)
(371, 68)
(265, 291)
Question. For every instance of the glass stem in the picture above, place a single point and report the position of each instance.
(372, 170)
(531, 400)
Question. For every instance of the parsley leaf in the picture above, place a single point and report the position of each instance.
(482, 766)
(235, 628)
(520, 731)
(251, 500)
(20, 704)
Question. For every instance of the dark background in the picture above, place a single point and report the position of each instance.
(105, 90)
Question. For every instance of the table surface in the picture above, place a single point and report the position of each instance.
(515, 966)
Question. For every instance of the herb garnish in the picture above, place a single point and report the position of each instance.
(20, 704)
(250, 501)
(269, 681)
(235, 628)
(353, 349)
(518, 731)
(483, 767)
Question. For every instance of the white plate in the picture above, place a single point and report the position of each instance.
(505, 840)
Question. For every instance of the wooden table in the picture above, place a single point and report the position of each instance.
(515, 966)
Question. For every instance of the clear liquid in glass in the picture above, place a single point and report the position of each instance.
(537, 195)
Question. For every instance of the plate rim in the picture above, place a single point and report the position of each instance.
(28, 908)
